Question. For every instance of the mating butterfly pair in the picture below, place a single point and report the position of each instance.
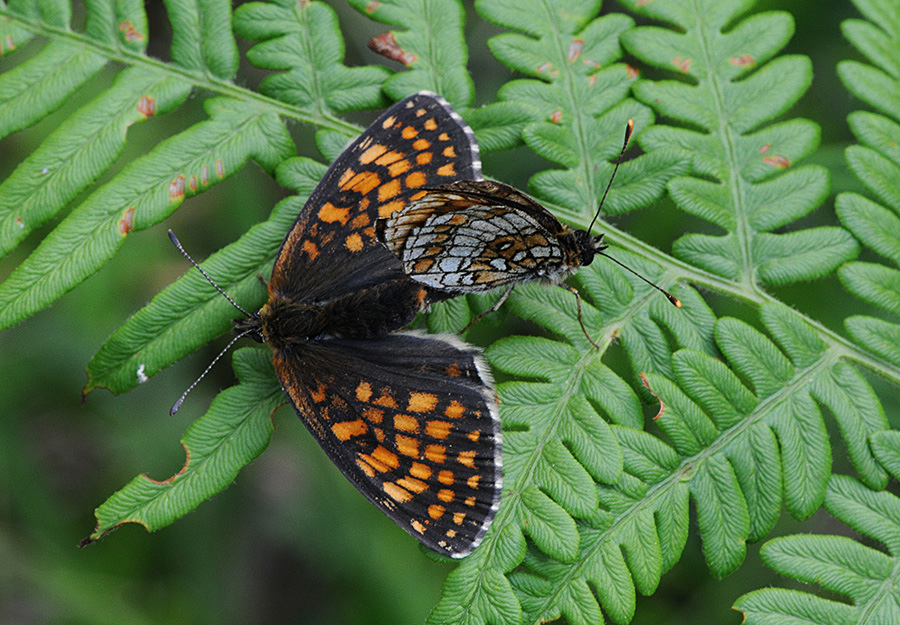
(400, 220)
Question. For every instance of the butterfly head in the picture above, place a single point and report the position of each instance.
(588, 246)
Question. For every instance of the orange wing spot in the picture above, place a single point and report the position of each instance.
(406, 423)
(127, 221)
(345, 430)
(420, 112)
(444, 136)
(450, 533)
(417, 526)
(407, 445)
(422, 402)
(423, 158)
(413, 485)
(386, 210)
(386, 457)
(474, 435)
(354, 242)
(370, 154)
(379, 434)
(417, 196)
(318, 395)
(459, 517)
(388, 122)
(374, 415)
(455, 410)
(388, 158)
(400, 495)
(385, 399)
(409, 132)
(472, 482)
(347, 175)
(467, 458)
(364, 392)
(470, 501)
(417, 179)
(399, 168)
(430, 124)
(445, 494)
(449, 152)
(453, 370)
(447, 170)
(363, 182)
(424, 265)
(388, 190)
(373, 463)
(330, 213)
(435, 511)
(436, 453)
(420, 145)
(446, 477)
(360, 221)
(366, 468)
(438, 429)
(419, 470)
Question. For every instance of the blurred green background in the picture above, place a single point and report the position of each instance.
(291, 541)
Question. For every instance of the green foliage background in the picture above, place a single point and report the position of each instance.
(599, 511)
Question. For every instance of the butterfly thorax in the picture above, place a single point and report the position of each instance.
(365, 313)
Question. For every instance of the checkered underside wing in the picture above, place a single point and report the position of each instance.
(453, 240)
(420, 141)
(411, 421)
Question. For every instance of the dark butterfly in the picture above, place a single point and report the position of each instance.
(410, 419)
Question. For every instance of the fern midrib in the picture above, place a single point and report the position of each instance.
(197, 78)
(684, 472)
(568, 83)
(736, 184)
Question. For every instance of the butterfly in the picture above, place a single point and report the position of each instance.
(410, 419)
(470, 236)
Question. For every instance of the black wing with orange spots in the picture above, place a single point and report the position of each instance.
(411, 420)
(419, 142)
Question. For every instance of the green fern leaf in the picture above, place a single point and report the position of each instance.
(749, 195)
(151, 188)
(233, 432)
(307, 45)
(836, 563)
(433, 36)
(874, 162)
(190, 312)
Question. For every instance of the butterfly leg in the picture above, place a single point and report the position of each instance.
(490, 310)
(262, 279)
(577, 295)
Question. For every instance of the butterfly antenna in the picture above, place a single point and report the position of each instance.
(184, 253)
(675, 301)
(180, 401)
(629, 128)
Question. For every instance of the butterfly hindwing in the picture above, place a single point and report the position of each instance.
(411, 421)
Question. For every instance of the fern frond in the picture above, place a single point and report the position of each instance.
(838, 564)
(740, 441)
(242, 126)
(218, 445)
(876, 163)
(730, 87)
